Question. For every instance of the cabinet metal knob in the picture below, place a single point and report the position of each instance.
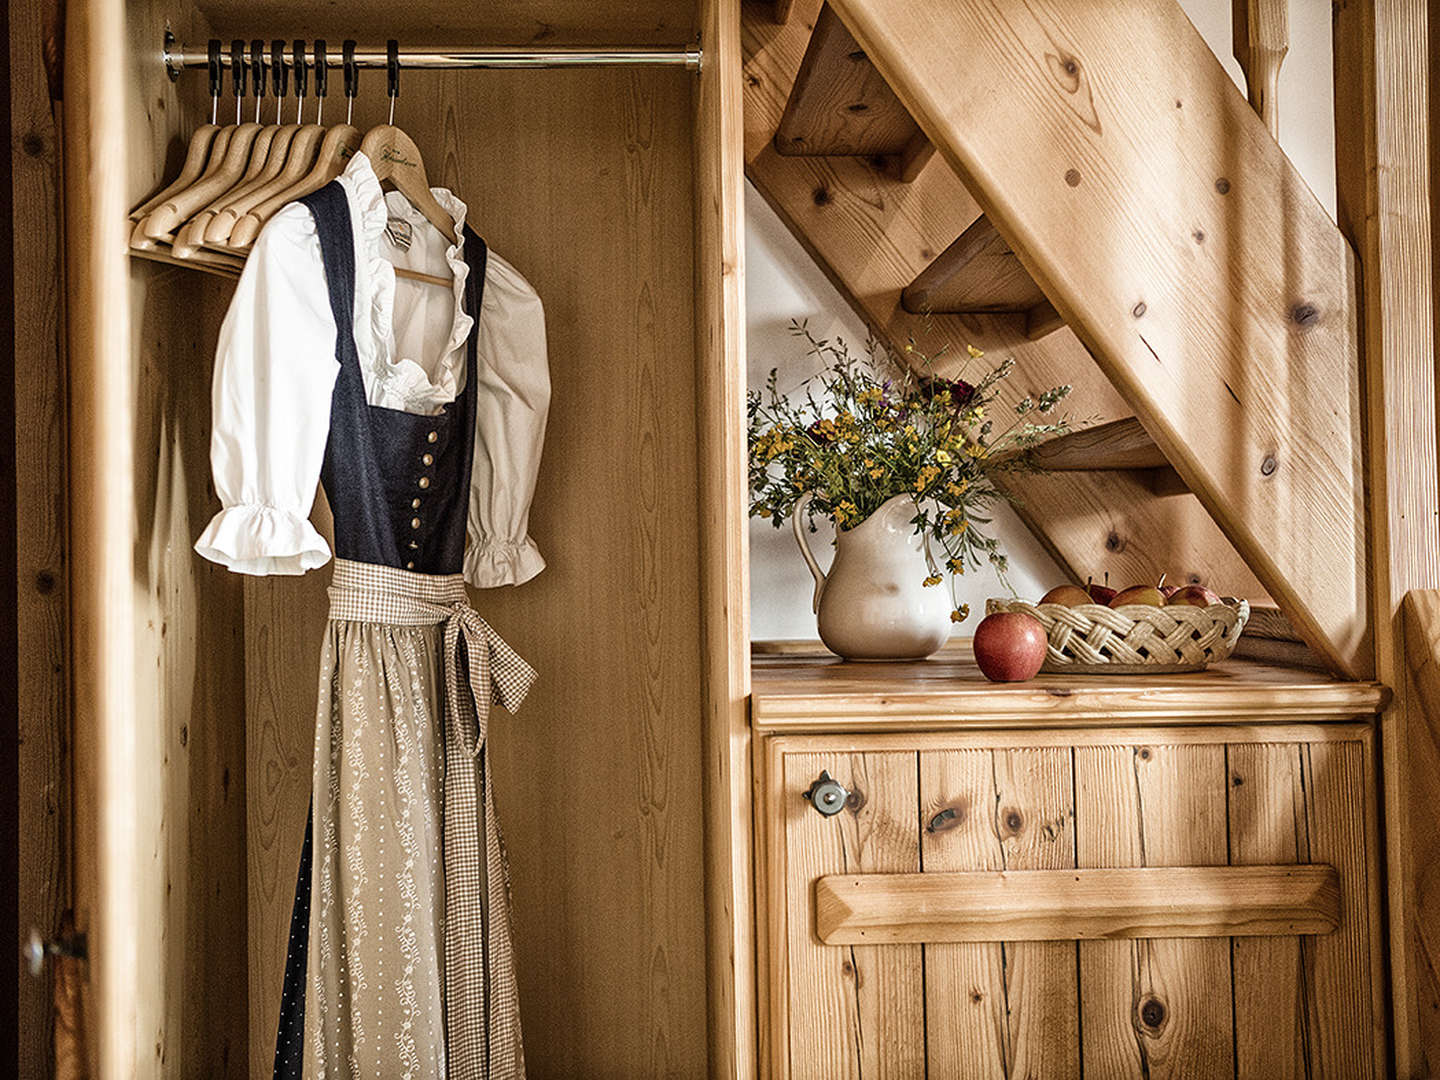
(37, 948)
(827, 794)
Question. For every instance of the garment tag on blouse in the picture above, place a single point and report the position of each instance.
(400, 233)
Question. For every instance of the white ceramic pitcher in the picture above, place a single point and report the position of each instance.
(874, 603)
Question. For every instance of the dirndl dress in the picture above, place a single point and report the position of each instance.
(400, 961)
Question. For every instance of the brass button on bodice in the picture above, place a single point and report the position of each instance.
(414, 504)
(409, 566)
(414, 523)
(428, 459)
(424, 482)
(432, 437)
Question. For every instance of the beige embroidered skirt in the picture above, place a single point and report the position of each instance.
(409, 966)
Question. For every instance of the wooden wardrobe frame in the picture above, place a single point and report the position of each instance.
(73, 565)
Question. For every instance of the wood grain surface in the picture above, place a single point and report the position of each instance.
(857, 1011)
(597, 779)
(724, 553)
(1164, 222)
(1214, 823)
(41, 541)
(792, 691)
(1076, 905)
(1385, 58)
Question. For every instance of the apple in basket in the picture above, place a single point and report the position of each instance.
(1100, 594)
(1195, 596)
(1067, 595)
(1009, 646)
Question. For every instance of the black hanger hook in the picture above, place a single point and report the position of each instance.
(351, 72)
(392, 73)
(322, 78)
(280, 72)
(297, 51)
(238, 71)
(216, 70)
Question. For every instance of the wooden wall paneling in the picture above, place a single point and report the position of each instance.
(857, 1010)
(189, 728)
(1159, 1007)
(999, 1008)
(1267, 814)
(584, 181)
(872, 235)
(41, 542)
(1347, 1023)
(1233, 278)
(1422, 656)
(724, 554)
(1383, 191)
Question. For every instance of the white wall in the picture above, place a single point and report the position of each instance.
(783, 283)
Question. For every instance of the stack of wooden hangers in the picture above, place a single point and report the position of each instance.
(237, 176)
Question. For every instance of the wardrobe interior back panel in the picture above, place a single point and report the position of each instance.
(582, 180)
(188, 631)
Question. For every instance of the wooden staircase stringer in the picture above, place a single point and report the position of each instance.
(1168, 228)
(872, 236)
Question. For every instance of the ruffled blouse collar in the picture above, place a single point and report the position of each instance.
(416, 385)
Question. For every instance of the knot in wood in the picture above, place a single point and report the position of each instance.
(1114, 543)
(859, 106)
(822, 196)
(1139, 310)
(1304, 314)
(1013, 821)
(32, 144)
(1072, 177)
(1152, 1013)
(1222, 186)
(857, 55)
(1143, 753)
(44, 582)
(1269, 465)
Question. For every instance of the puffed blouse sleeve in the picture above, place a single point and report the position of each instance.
(512, 400)
(275, 368)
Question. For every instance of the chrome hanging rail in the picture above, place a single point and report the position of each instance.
(178, 58)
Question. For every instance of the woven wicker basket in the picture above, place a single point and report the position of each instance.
(1092, 639)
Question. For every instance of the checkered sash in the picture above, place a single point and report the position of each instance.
(482, 1011)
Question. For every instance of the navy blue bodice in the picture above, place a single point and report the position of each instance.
(398, 483)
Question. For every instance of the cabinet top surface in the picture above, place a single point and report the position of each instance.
(808, 689)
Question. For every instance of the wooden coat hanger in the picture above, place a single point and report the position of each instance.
(396, 159)
(162, 222)
(197, 155)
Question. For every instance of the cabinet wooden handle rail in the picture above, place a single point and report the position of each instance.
(1068, 905)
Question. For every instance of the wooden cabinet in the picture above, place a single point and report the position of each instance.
(1232, 971)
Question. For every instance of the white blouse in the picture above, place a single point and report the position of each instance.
(275, 369)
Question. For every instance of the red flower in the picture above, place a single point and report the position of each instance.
(958, 391)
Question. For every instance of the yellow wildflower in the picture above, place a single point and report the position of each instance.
(933, 579)
(960, 614)
(975, 353)
(975, 450)
(956, 490)
(876, 474)
(942, 456)
(926, 477)
(955, 566)
(764, 511)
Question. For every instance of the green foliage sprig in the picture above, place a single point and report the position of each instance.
(865, 429)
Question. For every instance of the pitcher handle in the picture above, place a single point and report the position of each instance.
(815, 571)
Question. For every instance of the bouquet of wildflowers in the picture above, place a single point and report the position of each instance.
(865, 429)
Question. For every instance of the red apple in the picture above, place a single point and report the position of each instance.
(1067, 595)
(1168, 591)
(1195, 596)
(1009, 646)
(1100, 594)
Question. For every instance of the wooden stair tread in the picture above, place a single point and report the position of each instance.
(980, 274)
(1120, 444)
(840, 106)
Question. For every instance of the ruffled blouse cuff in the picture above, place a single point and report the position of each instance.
(502, 562)
(263, 540)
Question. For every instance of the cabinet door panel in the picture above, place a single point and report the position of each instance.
(998, 1009)
(1154, 1007)
(855, 1011)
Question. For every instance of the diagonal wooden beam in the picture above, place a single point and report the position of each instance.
(1166, 225)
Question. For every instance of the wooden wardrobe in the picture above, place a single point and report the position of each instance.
(617, 192)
